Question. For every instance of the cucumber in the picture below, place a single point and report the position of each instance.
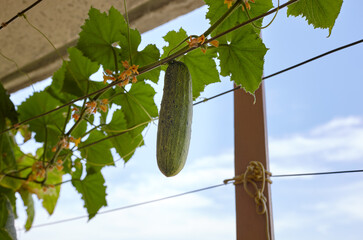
(175, 119)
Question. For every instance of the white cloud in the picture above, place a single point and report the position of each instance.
(211, 214)
(324, 207)
(338, 141)
(334, 210)
(193, 216)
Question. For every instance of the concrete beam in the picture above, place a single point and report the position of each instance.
(60, 21)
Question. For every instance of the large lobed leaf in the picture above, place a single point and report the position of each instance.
(49, 126)
(243, 58)
(93, 192)
(99, 154)
(319, 13)
(77, 73)
(122, 139)
(138, 104)
(149, 54)
(105, 39)
(49, 196)
(98, 35)
(7, 108)
(218, 8)
(137, 110)
(29, 204)
(202, 67)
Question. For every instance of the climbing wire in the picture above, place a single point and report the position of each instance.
(195, 191)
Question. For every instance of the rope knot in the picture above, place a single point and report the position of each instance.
(254, 181)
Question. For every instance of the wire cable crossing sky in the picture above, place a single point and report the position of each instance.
(195, 191)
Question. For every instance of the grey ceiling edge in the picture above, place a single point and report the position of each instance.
(148, 12)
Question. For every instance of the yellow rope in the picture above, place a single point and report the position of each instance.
(256, 176)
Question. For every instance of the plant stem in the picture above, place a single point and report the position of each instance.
(128, 31)
(251, 20)
(19, 14)
(115, 59)
(187, 49)
(221, 19)
(66, 121)
(152, 65)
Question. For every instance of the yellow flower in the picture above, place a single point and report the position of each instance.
(75, 116)
(122, 76)
(108, 72)
(228, 2)
(214, 43)
(125, 64)
(134, 79)
(134, 68)
(201, 39)
(128, 72)
(193, 42)
(124, 83)
(64, 142)
(104, 101)
(248, 6)
(76, 141)
(107, 75)
(103, 108)
(106, 78)
(203, 48)
(59, 161)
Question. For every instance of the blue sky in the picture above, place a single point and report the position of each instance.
(315, 123)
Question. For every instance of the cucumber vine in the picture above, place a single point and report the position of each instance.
(72, 117)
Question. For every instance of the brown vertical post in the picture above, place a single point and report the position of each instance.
(250, 145)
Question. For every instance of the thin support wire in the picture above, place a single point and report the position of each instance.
(194, 191)
(204, 100)
(287, 69)
(4, 24)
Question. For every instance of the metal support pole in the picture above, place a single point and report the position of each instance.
(250, 145)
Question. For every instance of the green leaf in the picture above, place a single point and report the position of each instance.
(4, 235)
(7, 108)
(125, 144)
(48, 195)
(55, 89)
(10, 195)
(3, 210)
(29, 204)
(202, 68)
(144, 57)
(51, 195)
(243, 58)
(137, 111)
(22, 161)
(7, 228)
(7, 156)
(93, 192)
(174, 39)
(80, 130)
(319, 13)
(98, 154)
(78, 71)
(98, 34)
(138, 105)
(49, 125)
(148, 55)
(78, 169)
(217, 9)
(94, 86)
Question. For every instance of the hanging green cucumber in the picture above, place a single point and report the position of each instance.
(175, 119)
